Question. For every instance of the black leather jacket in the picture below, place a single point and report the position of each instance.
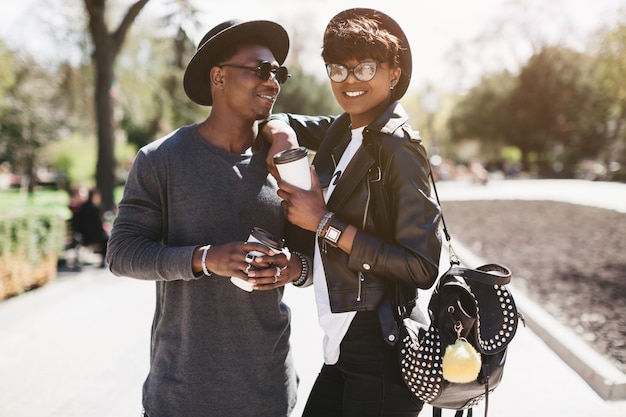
(398, 240)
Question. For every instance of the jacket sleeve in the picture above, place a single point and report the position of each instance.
(412, 254)
(138, 244)
(309, 129)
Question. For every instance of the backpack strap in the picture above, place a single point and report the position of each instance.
(437, 412)
(490, 274)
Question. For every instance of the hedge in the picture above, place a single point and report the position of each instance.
(30, 245)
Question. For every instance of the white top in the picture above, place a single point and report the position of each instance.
(334, 325)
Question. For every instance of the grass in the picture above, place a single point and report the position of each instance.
(14, 202)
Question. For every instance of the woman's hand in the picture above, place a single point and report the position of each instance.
(304, 208)
(281, 137)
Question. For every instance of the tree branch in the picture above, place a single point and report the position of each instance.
(132, 13)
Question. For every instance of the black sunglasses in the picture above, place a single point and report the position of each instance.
(264, 70)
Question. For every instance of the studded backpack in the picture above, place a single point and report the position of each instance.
(457, 359)
(471, 306)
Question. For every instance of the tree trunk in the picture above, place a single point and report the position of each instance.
(105, 168)
(106, 48)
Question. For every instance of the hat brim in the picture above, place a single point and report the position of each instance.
(406, 60)
(262, 32)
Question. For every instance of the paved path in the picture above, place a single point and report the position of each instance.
(609, 195)
(79, 347)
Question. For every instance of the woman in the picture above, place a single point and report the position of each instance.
(376, 226)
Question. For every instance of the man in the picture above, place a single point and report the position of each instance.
(190, 202)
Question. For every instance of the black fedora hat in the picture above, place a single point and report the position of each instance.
(226, 34)
(406, 61)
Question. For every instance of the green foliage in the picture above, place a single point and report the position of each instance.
(32, 236)
(610, 70)
(556, 108)
(75, 157)
(149, 89)
(554, 112)
(7, 72)
(306, 94)
(50, 202)
(511, 154)
(483, 112)
(29, 247)
(34, 113)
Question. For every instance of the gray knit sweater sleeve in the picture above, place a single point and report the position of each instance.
(137, 246)
(182, 193)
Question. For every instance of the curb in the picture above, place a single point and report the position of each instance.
(600, 374)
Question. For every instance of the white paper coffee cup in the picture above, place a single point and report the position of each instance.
(293, 167)
(263, 237)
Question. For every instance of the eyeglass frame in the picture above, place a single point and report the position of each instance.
(261, 68)
(351, 70)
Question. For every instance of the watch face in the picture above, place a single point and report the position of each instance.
(333, 234)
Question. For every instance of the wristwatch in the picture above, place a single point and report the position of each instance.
(334, 231)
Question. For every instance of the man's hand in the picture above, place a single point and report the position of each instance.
(282, 269)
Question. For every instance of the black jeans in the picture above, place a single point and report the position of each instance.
(366, 381)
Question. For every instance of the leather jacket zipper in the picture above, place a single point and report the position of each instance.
(361, 277)
(323, 247)
(360, 291)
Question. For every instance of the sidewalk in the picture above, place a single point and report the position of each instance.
(80, 346)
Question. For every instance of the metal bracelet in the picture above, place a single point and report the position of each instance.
(204, 268)
(304, 274)
(323, 223)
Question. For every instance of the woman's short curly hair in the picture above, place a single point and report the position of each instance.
(359, 37)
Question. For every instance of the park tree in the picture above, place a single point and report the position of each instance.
(482, 113)
(26, 126)
(306, 94)
(107, 44)
(7, 72)
(150, 71)
(610, 70)
(554, 109)
(151, 99)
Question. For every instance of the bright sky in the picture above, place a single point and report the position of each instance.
(434, 28)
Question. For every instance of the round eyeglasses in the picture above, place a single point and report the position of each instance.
(264, 70)
(338, 73)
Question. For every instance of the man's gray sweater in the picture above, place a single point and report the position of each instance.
(216, 350)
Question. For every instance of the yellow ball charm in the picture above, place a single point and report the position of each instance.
(461, 363)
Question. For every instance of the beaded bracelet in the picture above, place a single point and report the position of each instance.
(204, 268)
(323, 223)
(304, 274)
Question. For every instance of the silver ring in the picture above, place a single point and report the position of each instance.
(275, 279)
(247, 268)
(249, 257)
(278, 271)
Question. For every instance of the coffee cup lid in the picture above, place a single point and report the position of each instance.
(266, 238)
(290, 155)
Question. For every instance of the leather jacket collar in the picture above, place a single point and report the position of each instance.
(337, 139)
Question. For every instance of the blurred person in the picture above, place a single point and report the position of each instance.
(369, 213)
(78, 195)
(87, 222)
(189, 205)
